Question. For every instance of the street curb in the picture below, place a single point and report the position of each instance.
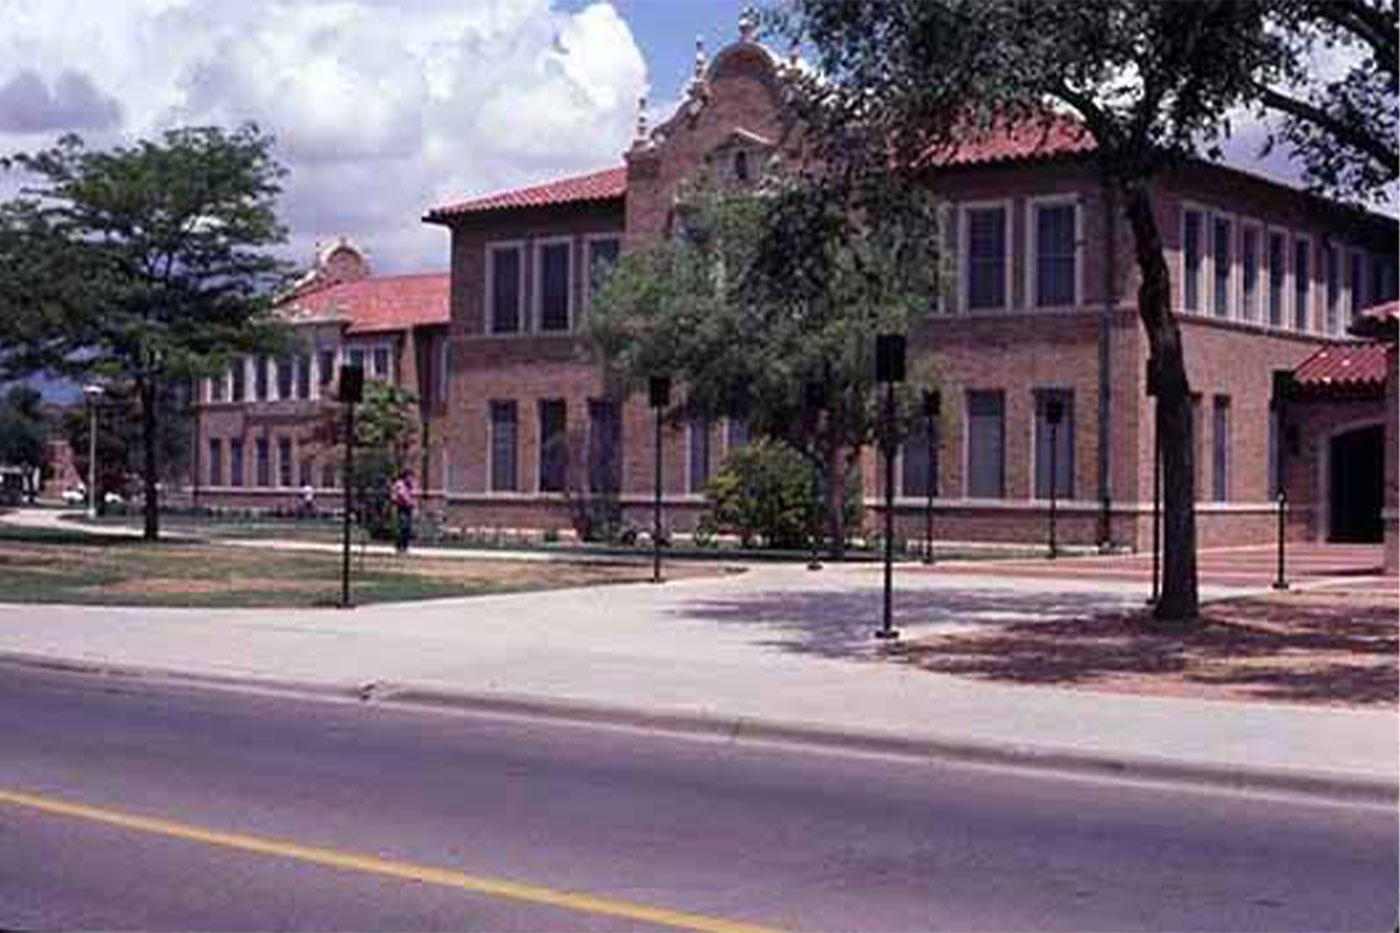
(1326, 785)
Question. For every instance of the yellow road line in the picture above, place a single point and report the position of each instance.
(379, 866)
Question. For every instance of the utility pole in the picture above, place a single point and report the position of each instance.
(659, 394)
(889, 369)
(352, 387)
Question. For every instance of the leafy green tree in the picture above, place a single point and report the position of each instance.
(901, 82)
(119, 438)
(1341, 128)
(386, 434)
(24, 434)
(767, 307)
(144, 265)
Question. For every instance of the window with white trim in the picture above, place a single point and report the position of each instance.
(1220, 449)
(1332, 282)
(1062, 443)
(554, 444)
(235, 462)
(987, 257)
(1222, 263)
(602, 254)
(1278, 276)
(284, 462)
(1054, 240)
(604, 446)
(216, 389)
(505, 278)
(1192, 224)
(264, 462)
(504, 446)
(552, 265)
(1302, 283)
(986, 444)
(216, 461)
(1249, 272)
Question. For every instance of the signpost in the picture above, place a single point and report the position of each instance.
(1054, 414)
(351, 391)
(889, 369)
(659, 394)
(1282, 388)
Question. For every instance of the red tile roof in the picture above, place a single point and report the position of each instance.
(1032, 139)
(1380, 321)
(1343, 366)
(380, 303)
(608, 185)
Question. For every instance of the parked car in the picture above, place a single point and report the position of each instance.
(76, 496)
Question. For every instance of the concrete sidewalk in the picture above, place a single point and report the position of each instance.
(777, 652)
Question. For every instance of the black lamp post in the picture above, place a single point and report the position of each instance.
(352, 387)
(931, 407)
(1156, 484)
(889, 369)
(659, 394)
(1282, 388)
(1054, 414)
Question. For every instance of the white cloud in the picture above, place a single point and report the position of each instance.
(380, 109)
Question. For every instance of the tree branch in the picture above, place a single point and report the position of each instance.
(1351, 134)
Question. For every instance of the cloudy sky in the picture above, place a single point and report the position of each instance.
(381, 108)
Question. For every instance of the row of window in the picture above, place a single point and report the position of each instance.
(553, 291)
(1234, 268)
(985, 234)
(301, 376)
(262, 477)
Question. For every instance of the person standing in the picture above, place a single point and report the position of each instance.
(404, 498)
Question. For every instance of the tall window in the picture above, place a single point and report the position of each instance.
(698, 472)
(1302, 283)
(1063, 476)
(736, 433)
(554, 445)
(603, 254)
(553, 259)
(260, 378)
(1191, 259)
(1054, 255)
(284, 378)
(1383, 283)
(986, 444)
(357, 357)
(381, 364)
(235, 462)
(284, 462)
(604, 446)
(1220, 449)
(1357, 279)
(1249, 273)
(303, 370)
(505, 269)
(1332, 275)
(504, 446)
(1278, 259)
(264, 462)
(216, 389)
(329, 480)
(238, 388)
(986, 258)
(919, 470)
(304, 472)
(1221, 254)
(325, 372)
(216, 462)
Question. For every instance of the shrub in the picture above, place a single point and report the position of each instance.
(767, 492)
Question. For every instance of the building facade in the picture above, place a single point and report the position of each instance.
(1040, 309)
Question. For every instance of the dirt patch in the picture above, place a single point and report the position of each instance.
(177, 586)
(1313, 648)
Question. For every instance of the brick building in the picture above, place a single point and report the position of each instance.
(1043, 307)
(258, 424)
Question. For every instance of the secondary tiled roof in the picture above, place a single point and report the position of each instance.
(1381, 320)
(608, 185)
(1033, 139)
(379, 303)
(1343, 366)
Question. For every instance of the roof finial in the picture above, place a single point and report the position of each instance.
(699, 74)
(748, 25)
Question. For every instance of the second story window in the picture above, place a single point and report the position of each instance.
(1332, 275)
(1191, 260)
(1278, 258)
(1302, 283)
(325, 369)
(1221, 233)
(216, 389)
(1055, 251)
(260, 378)
(1249, 272)
(238, 388)
(504, 274)
(381, 364)
(603, 254)
(986, 258)
(553, 284)
(284, 378)
(303, 371)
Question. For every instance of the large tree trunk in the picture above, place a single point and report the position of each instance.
(151, 467)
(1179, 602)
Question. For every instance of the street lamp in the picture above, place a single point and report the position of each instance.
(351, 391)
(931, 407)
(659, 395)
(93, 393)
(1054, 414)
(889, 369)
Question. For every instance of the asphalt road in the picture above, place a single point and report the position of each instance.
(128, 805)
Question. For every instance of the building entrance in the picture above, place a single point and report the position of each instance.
(1358, 484)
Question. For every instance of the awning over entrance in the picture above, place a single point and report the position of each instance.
(1344, 370)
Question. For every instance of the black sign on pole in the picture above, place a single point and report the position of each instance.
(350, 392)
(1156, 483)
(1278, 404)
(889, 369)
(659, 394)
(931, 404)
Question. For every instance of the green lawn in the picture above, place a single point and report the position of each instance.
(59, 566)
